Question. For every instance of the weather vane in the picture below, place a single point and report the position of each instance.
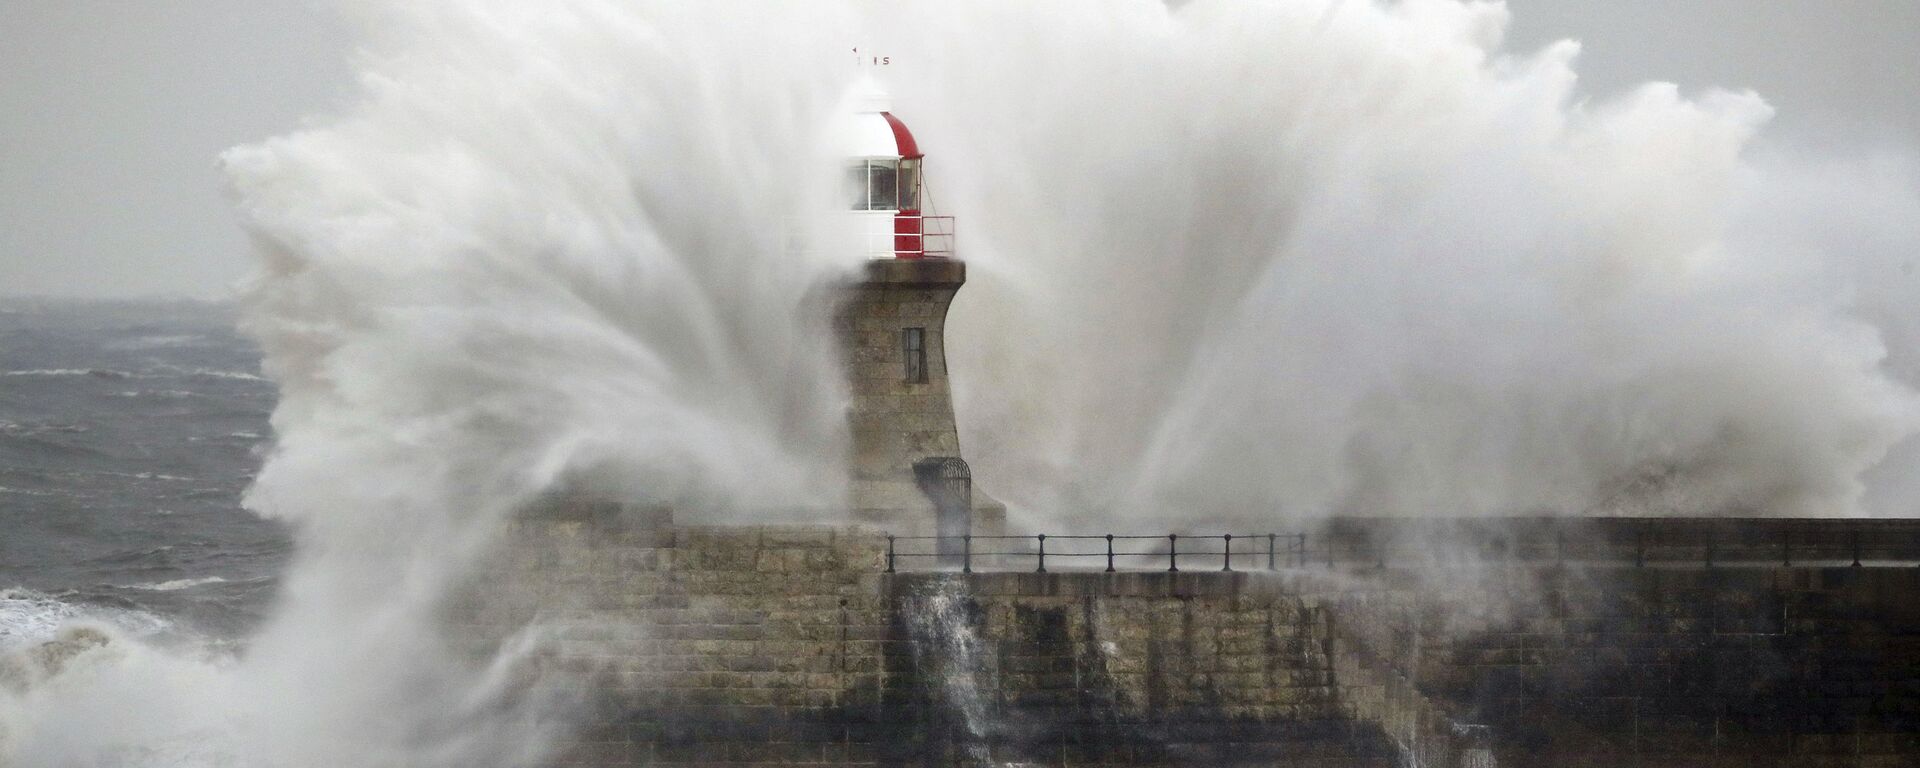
(870, 59)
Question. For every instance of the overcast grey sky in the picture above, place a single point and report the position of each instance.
(111, 111)
(1842, 73)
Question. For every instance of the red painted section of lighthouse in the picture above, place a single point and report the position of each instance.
(906, 237)
(907, 224)
(902, 137)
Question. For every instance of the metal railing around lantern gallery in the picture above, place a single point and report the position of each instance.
(1172, 552)
(911, 236)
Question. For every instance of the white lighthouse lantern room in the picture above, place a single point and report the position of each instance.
(886, 185)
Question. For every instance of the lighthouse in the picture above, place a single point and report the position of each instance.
(907, 471)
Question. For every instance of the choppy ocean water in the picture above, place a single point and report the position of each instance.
(128, 432)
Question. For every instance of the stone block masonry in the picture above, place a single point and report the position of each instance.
(1074, 669)
(1649, 667)
(700, 645)
(760, 646)
(788, 645)
(901, 406)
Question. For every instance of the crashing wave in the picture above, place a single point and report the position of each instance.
(28, 616)
(30, 666)
(98, 373)
(178, 584)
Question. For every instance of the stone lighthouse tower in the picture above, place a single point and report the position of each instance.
(908, 474)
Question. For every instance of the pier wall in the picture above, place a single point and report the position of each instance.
(712, 646)
(1656, 667)
(788, 645)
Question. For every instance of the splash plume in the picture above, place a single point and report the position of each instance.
(1239, 260)
(1230, 260)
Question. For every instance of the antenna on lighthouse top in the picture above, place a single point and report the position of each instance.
(867, 94)
(864, 59)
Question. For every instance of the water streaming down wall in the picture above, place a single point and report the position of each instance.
(1479, 758)
(943, 625)
(1476, 751)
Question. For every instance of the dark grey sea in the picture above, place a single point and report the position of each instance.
(128, 433)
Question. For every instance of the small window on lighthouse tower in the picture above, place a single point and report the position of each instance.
(913, 342)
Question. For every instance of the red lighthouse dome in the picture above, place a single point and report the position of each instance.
(886, 177)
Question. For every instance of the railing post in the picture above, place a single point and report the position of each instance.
(1856, 549)
(1272, 539)
(1043, 554)
(966, 561)
(1173, 552)
(889, 553)
(1227, 554)
(1109, 553)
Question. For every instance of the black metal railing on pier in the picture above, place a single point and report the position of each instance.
(1172, 552)
(1378, 543)
(1616, 541)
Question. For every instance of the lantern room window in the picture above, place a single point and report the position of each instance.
(909, 184)
(858, 197)
(884, 184)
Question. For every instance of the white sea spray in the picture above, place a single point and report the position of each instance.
(1245, 261)
(1235, 260)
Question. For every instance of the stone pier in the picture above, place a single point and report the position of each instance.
(788, 645)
